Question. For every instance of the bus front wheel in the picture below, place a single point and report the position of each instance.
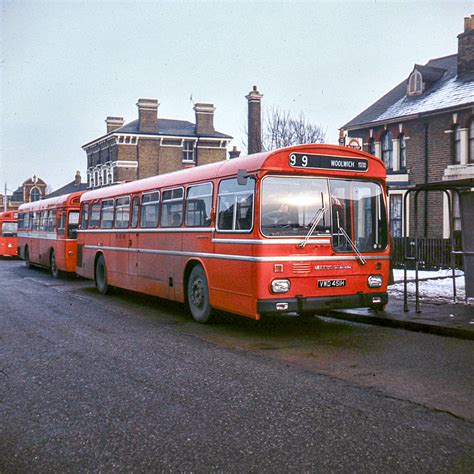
(53, 267)
(198, 295)
(101, 275)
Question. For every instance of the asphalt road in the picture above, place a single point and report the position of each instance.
(129, 383)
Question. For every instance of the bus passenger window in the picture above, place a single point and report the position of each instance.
(84, 215)
(172, 215)
(150, 210)
(107, 214)
(135, 207)
(35, 221)
(94, 219)
(73, 222)
(198, 205)
(122, 212)
(235, 205)
(21, 221)
(62, 223)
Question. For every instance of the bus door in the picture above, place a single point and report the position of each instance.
(133, 239)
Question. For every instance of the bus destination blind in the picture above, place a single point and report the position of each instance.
(327, 162)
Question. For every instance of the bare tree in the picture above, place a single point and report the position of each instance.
(280, 129)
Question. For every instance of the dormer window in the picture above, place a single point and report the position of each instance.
(415, 83)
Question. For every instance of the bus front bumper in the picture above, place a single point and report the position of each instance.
(302, 305)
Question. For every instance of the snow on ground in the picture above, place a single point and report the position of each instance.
(433, 286)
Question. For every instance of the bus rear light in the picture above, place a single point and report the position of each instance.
(280, 286)
(375, 281)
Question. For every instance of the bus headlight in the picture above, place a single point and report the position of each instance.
(9, 246)
(280, 286)
(375, 281)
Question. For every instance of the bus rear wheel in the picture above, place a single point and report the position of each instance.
(101, 275)
(198, 296)
(53, 267)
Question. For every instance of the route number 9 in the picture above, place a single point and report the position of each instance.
(293, 161)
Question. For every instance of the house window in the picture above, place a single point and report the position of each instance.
(471, 141)
(396, 215)
(35, 195)
(403, 152)
(415, 83)
(456, 145)
(188, 152)
(387, 150)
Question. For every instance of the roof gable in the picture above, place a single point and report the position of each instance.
(445, 90)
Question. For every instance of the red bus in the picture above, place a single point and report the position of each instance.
(296, 230)
(47, 233)
(8, 234)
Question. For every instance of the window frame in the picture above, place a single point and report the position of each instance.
(470, 157)
(204, 195)
(168, 226)
(187, 152)
(389, 165)
(456, 144)
(121, 207)
(135, 204)
(235, 231)
(403, 152)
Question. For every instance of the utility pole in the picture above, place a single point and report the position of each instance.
(5, 199)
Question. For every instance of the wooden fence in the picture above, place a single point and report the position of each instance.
(433, 254)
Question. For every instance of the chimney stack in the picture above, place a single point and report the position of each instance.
(148, 115)
(466, 47)
(234, 153)
(113, 123)
(204, 118)
(77, 178)
(254, 99)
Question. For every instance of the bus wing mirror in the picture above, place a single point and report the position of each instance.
(242, 176)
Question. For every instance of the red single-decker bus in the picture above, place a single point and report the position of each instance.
(8, 234)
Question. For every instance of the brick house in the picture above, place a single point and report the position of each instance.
(150, 145)
(423, 129)
(32, 189)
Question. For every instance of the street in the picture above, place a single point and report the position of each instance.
(127, 382)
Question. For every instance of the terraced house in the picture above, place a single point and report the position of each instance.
(423, 129)
(151, 145)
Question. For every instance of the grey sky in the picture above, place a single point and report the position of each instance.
(65, 66)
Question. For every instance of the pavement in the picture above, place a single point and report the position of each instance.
(445, 319)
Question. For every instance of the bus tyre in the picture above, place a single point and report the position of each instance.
(27, 258)
(198, 296)
(53, 267)
(377, 306)
(101, 276)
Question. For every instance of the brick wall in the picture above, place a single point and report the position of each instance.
(148, 158)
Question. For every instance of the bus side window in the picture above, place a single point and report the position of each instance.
(61, 223)
(94, 219)
(198, 205)
(73, 222)
(235, 204)
(43, 220)
(51, 226)
(35, 220)
(122, 212)
(21, 221)
(84, 215)
(172, 213)
(150, 209)
(107, 214)
(135, 208)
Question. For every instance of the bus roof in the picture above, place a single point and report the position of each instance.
(9, 216)
(72, 199)
(268, 161)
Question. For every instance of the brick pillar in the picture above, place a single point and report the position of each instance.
(254, 99)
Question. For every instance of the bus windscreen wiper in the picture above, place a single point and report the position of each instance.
(317, 217)
(362, 260)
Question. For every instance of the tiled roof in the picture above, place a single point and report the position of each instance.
(68, 188)
(448, 91)
(170, 127)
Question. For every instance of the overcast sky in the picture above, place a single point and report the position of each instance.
(65, 66)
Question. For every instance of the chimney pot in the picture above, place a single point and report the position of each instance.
(204, 118)
(113, 123)
(77, 178)
(148, 115)
(466, 47)
(254, 99)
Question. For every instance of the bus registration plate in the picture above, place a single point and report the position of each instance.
(331, 283)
